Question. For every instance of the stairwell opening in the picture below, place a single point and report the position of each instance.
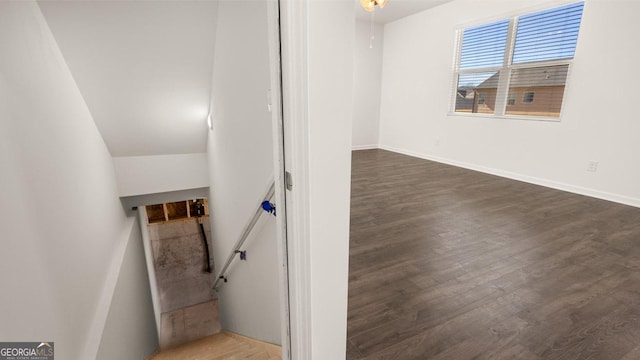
(180, 237)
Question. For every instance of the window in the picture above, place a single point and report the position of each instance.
(528, 55)
(528, 97)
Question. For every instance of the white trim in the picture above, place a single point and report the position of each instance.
(621, 199)
(364, 147)
(294, 41)
(525, 65)
(504, 74)
(273, 19)
(151, 269)
(507, 117)
(453, 97)
(480, 70)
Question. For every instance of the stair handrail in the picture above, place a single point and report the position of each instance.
(245, 234)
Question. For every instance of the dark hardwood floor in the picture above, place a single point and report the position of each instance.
(448, 263)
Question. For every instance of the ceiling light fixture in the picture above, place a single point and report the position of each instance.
(370, 5)
(209, 122)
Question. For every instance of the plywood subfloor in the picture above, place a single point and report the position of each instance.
(449, 263)
(222, 346)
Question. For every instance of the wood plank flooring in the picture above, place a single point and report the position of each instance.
(448, 263)
(222, 346)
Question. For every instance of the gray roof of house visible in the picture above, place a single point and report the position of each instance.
(530, 77)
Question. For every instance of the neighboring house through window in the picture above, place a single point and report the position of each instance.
(524, 57)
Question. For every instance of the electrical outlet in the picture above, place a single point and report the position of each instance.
(437, 142)
(592, 166)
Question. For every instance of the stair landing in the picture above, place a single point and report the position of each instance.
(224, 345)
(191, 323)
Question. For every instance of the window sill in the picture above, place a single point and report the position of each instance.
(507, 117)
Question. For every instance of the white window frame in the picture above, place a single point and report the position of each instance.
(506, 68)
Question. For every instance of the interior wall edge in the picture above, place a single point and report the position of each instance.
(130, 330)
(151, 272)
(108, 289)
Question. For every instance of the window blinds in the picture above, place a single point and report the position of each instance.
(524, 77)
(548, 35)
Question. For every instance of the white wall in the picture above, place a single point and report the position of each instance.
(241, 167)
(131, 305)
(137, 175)
(599, 120)
(61, 222)
(367, 80)
(318, 57)
(330, 71)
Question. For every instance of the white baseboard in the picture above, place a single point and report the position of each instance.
(622, 199)
(364, 147)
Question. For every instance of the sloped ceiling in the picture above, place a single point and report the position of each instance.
(143, 67)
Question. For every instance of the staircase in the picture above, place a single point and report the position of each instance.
(223, 345)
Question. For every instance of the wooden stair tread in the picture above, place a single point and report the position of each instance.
(223, 345)
(265, 346)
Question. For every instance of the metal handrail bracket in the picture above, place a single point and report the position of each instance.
(245, 234)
